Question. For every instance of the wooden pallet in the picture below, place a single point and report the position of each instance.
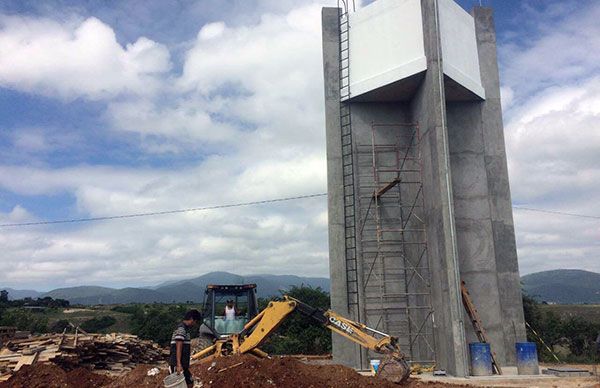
(116, 352)
(476, 322)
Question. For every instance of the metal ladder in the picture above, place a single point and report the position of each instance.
(348, 164)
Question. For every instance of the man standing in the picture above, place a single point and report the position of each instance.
(181, 346)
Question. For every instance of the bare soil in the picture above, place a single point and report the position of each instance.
(47, 375)
(228, 372)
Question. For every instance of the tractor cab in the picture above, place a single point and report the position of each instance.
(215, 322)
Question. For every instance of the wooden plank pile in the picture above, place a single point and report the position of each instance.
(115, 352)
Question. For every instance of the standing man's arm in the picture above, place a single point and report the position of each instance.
(179, 349)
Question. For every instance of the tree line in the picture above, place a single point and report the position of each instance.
(571, 339)
(574, 338)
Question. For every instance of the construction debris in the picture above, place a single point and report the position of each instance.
(566, 372)
(114, 352)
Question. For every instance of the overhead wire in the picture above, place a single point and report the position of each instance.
(532, 209)
(241, 204)
(160, 213)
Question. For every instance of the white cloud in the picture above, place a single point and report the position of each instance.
(169, 127)
(211, 30)
(559, 47)
(553, 138)
(554, 160)
(70, 60)
(255, 90)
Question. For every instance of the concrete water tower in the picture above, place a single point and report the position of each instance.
(419, 198)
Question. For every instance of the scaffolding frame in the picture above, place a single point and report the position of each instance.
(395, 285)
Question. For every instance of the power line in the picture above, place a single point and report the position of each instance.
(241, 204)
(531, 209)
(160, 213)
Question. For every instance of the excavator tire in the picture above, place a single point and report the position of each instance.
(394, 370)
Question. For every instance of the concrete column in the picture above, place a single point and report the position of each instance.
(473, 219)
(512, 319)
(428, 109)
(344, 351)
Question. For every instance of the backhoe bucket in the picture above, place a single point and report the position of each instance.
(394, 370)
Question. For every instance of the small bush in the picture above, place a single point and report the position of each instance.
(58, 326)
(96, 325)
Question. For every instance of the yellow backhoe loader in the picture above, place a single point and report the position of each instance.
(258, 328)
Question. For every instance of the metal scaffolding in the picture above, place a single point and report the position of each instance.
(392, 246)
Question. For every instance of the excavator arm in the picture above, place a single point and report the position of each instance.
(394, 367)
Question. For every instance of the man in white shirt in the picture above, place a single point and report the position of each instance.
(230, 311)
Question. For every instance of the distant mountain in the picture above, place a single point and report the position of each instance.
(104, 295)
(267, 285)
(181, 290)
(565, 286)
(21, 294)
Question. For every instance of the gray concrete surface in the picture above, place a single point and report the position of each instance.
(507, 266)
(344, 351)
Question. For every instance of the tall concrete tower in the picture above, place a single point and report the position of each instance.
(419, 198)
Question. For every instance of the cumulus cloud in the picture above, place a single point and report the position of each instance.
(560, 46)
(277, 238)
(259, 107)
(70, 60)
(255, 90)
(553, 138)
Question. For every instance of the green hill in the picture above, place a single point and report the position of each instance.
(564, 286)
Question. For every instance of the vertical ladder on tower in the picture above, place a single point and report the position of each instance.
(348, 164)
(476, 321)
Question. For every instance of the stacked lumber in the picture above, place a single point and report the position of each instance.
(115, 352)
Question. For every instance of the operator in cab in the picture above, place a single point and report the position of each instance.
(230, 311)
(179, 360)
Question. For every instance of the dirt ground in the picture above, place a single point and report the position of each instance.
(230, 372)
(49, 375)
(287, 372)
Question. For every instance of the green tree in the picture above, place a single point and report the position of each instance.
(550, 329)
(96, 325)
(300, 334)
(157, 322)
(24, 320)
(3, 297)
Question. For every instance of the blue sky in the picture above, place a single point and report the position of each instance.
(124, 107)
